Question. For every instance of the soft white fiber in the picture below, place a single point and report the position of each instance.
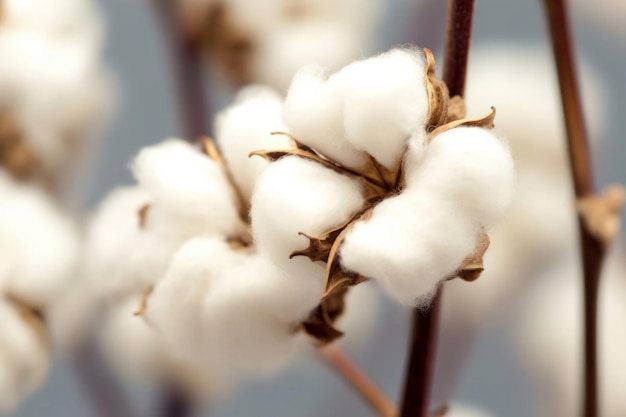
(136, 352)
(23, 358)
(294, 196)
(245, 127)
(189, 193)
(313, 113)
(233, 308)
(414, 240)
(39, 244)
(385, 102)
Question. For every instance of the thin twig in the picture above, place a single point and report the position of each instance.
(420, 369)
(174, 403)
(187, 68)
(592, 249)
(344, 366)
(97, 382)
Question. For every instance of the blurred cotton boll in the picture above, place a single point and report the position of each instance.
(39, 245)
(137, 353)
(607, 15)
(458, 410)
(24, 355)
(53, 86)
(549, 337)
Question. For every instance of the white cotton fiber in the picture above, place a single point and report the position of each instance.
(294, 196)
(313, 113)
(385, 101)
(361, 316)
(189, 193)
(137, 353)
(411, 243)
(245, 127)
(39, 244)
(23, 357)
(216, 305)
(469, 166)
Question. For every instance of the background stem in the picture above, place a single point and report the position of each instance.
(420, 369)
(592, 250)
(187, 71)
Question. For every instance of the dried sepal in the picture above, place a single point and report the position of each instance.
(456, 109)
(337, 278)
(472, 266)
(601, 212)
(438, 94)
(16, 156)
(143, 303)
(370, 189)
(320, 323)
(33, 317)
(142, 215)
(485, 122)
(296, 143)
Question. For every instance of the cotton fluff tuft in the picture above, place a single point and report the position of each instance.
(351, 112)
(137, 353)
(38, 244)
(23, 358)
(216, 305)
(189, 193)
(245, 127)
(313, 113)
(297, 196)
(412, 241)
(385, 102)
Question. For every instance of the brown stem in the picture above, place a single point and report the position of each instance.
(344, 366)
(174, 403)
(592, 249)
(187, 69)
(421, 363)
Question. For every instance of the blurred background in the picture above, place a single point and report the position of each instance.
(493, 377)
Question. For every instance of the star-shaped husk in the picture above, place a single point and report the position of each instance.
(377, 183)
(16, 156)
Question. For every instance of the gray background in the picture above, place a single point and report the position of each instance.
(146, 115)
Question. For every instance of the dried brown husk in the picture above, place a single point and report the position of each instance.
(16, 156)
(320, 323)
(33, 317)
(601, 213)
(472, 266)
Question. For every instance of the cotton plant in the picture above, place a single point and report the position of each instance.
(384, 164)
(267, 41)
(548, 337)
(39, 255)
(55, 93)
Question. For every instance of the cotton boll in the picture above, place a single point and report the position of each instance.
(385, 102)
(246, 127)
(410, 243)
(284, 49)
(313, 112)
(549, 337)
(297, 196)
(233, 308)
(38, 244)
(470, 166)
(607, 15)
(122, 258)
(23, 357)
(189, 193)
(136, 352)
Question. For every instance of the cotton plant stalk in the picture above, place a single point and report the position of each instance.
(596, 229)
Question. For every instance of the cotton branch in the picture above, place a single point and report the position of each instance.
(358, 380)
(591, 246)
(187, 71)
(419, 377)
